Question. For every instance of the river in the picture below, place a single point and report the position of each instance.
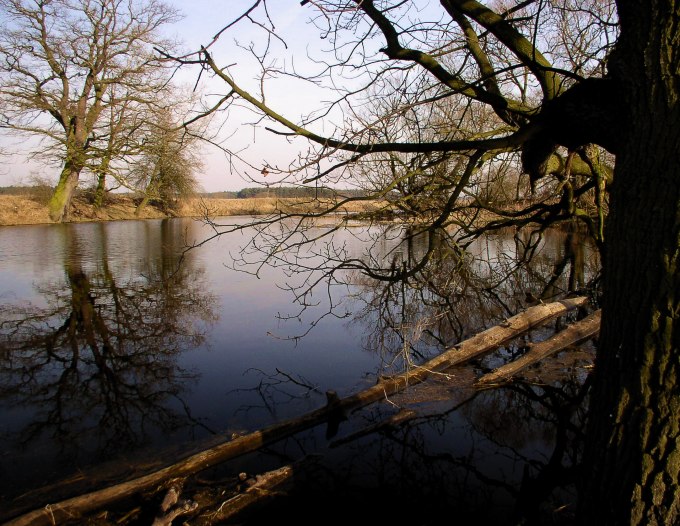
(119, 345)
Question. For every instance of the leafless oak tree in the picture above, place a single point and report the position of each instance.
(67, 65)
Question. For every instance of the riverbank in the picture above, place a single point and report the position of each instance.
(30, 210)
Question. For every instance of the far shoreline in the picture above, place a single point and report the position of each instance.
(16, 210)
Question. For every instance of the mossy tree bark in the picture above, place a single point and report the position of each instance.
(142, 205)
(632, 459)
(60, 203)
(149, 192)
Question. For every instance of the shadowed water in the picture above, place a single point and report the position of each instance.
(119, 346)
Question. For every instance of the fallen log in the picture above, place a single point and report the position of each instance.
(263, 487)
(484, 342)
(575, 334)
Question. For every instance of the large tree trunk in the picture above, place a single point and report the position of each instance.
(60, 202)
(632, 457)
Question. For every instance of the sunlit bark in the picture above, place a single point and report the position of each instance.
(60, 202)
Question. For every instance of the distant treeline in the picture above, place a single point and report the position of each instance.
(286, 191)
(246, 193)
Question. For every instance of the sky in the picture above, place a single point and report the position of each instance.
(202, 20)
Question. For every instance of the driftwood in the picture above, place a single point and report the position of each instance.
(478, 345)
(575, 334)
(172, 507)
(260, 488)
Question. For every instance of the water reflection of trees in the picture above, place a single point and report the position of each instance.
(95, 368)
(505, 456)
(439, 300)
(514, 449)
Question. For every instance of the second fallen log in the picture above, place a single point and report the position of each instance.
(575, 334)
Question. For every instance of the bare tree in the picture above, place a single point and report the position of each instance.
(165, 167)
(113, 141)
(59, 63)
(567, 86)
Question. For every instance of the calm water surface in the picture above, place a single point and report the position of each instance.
(117, 345)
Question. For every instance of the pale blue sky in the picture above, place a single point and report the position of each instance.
(203, 19)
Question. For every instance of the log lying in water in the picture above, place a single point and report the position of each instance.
(478, 345)
(575, 334)
(263, 487)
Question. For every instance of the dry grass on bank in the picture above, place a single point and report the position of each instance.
(213, 207)
(32, 210)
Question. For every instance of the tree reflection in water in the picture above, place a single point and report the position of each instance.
(456, 294)
(501, 456)
(504, 457)
(95, 371)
